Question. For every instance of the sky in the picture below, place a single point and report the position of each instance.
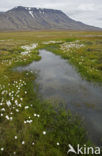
(87, 11)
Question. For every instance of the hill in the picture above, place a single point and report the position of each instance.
(26, 18)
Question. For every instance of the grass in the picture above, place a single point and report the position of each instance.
(29, 126)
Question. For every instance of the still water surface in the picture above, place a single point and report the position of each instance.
(59, 80)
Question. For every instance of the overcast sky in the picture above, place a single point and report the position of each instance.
(87, 11)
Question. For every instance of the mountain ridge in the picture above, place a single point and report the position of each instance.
(30, 18)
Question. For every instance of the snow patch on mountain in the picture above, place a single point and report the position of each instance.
(31, 13)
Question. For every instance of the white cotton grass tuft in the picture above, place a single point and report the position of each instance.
(0, 104)
(1, 114)
(25, 122)
(2, 148)
(44, 132)
(38, 115)
(26, 107)
(23, 142)
(33, 143)
(8, 103)
(14, 153)
(35, 114)
(11, 118)
(72, 45)
(16, 137)
(3, 109)
(17, 110)
(58, 143)
(25, 92)
(7, 117)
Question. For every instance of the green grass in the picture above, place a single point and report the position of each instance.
(60, 125)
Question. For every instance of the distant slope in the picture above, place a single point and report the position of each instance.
(24, 18)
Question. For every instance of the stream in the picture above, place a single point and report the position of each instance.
(58, 80)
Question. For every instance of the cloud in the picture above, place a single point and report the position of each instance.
(99, 19)
(87, 7)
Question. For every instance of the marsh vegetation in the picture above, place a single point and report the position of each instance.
(29, 125)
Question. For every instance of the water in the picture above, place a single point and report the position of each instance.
(58, 79)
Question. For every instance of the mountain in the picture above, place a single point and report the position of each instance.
(26, 18)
